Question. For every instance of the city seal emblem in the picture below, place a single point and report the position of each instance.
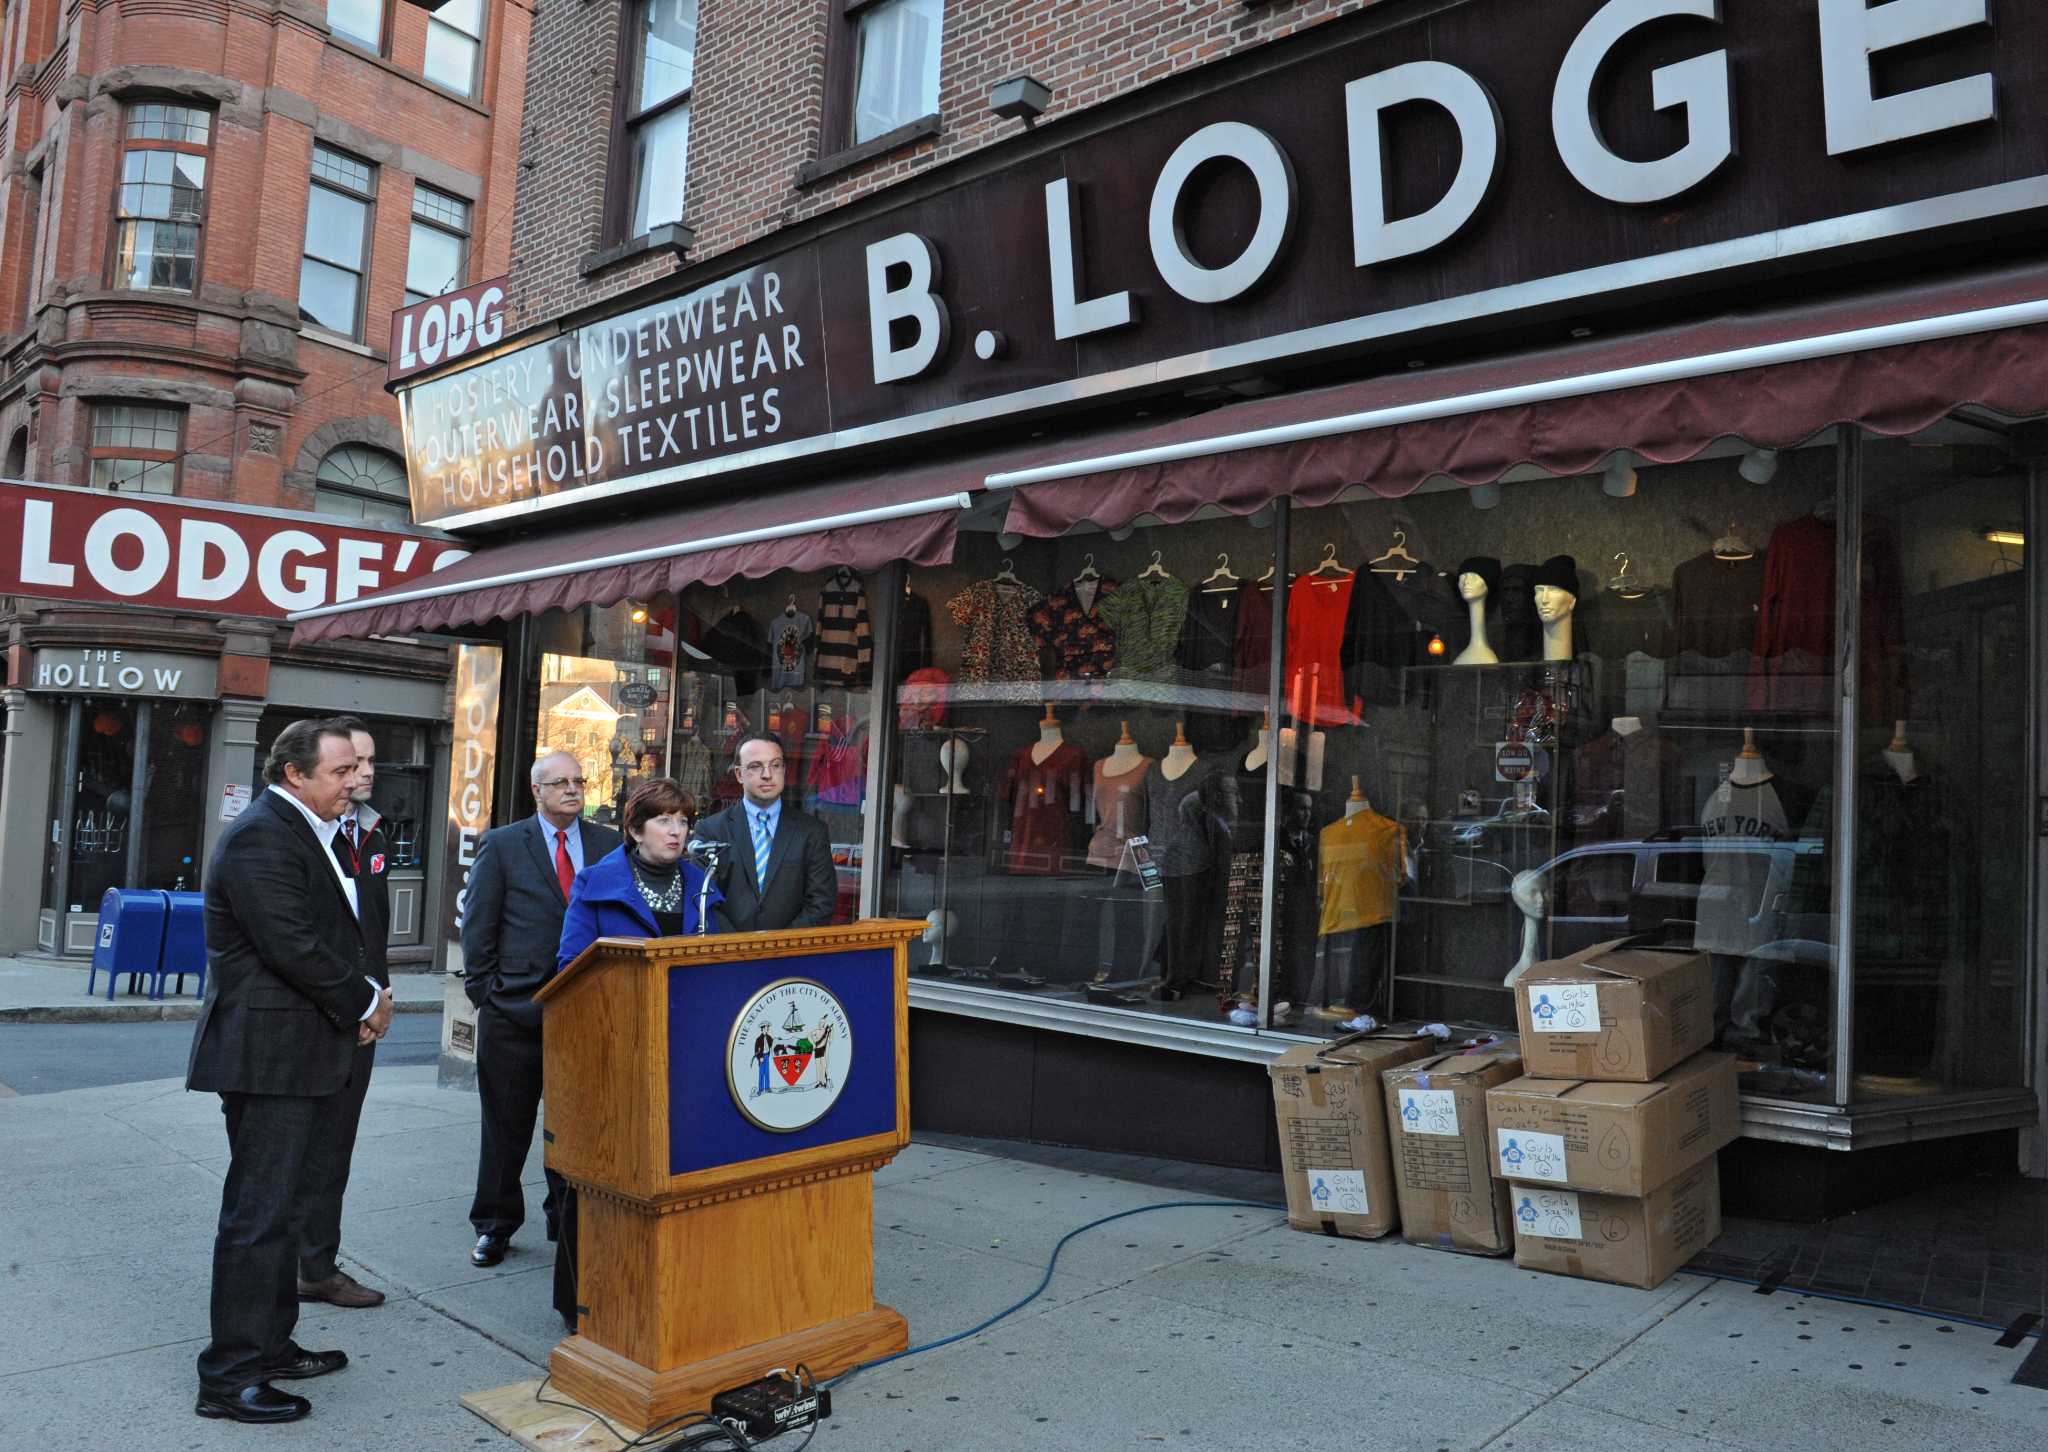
(790, 1055)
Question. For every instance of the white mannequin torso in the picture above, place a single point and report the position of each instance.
(1179, 757)
(1050, 739)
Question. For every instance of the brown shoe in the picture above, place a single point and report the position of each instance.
(340, 1289)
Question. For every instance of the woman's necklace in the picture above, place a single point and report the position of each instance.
(665, 899)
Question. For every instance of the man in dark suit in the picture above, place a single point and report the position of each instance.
(778, 871)
(365, 855)
(289, 998)
(511, 928)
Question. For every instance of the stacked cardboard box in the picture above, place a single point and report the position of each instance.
(1607, 1147)
(1333, 1131)
(1437, 1108)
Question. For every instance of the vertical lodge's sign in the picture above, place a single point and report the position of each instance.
(1391, 181)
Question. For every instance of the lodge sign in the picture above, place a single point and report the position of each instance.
(1402, 179)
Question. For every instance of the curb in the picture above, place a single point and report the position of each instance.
(143, 1012)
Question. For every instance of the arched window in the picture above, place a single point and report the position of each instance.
(359, 482)
(15, 463)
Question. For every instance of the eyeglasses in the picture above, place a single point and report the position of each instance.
(762, 768)
(574, 783)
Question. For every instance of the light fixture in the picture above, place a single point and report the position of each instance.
(1262, 517)
(1759, 466)
(1618, 479)
(638, 614)
(2005, 537)
(1436, 645)
(1484, 496)
(1020, 98)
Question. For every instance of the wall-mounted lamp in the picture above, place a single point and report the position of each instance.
(2005, 537)
(1618, 479)
(638, 614)
(1759, 466)
(1020, 98)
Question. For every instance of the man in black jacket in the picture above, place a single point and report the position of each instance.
(289, 998)
(511, 929)
(365, 855)
(778, 870)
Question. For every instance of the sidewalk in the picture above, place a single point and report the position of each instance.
(1199, 1328)
(49, 990)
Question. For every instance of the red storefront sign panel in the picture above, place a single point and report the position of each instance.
(447, 327)
(133, 549)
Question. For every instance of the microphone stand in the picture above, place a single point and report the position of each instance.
(706, 853)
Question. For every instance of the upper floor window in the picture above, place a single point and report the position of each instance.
(438, 257)
(337, 252)
(657, 111)
(135, 448)
(161, 206)
(895, 63)
(361, 21)
(455, 41)
(359, 482)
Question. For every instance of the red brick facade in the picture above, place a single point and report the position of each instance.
(263, 400)
(758, 112)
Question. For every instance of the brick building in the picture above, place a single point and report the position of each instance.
(208, 212)
(1062, 424)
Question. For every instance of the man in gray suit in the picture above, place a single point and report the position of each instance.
(778, 870)
(511, 927)
(289, 998)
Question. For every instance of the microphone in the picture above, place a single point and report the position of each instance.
(707, 852)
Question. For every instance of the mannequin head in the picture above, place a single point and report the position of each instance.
(1472, 587)
(1553, 604)
(1479, 577)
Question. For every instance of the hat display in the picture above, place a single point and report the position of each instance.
(1486, 567)
(1560, 572)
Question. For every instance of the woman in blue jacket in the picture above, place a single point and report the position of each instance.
(643, 888)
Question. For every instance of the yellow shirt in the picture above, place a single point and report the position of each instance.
(1362, 867)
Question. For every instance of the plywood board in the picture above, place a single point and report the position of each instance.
(541, 1426)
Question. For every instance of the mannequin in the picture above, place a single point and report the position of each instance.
(1749, 769)
(1179, 756)
(1557, 595)
(1050, 737)
(953, 758)
(1356, 802)
(1527, 891)
(1255, 760)
(900, 806)
(1125, 756)
(1477, 578)
(1899, 756)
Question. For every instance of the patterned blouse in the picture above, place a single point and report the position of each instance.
(1083, 647)
(1147, 615)
(999, 645)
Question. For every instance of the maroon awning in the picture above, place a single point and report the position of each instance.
(862, 522)
(1894, 362)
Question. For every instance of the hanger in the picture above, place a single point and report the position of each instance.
(1006, 575)
(1328, 566)
(790, 608)
(1087, 570)
(1396, 561)
(1732, 547)
(1625, 582)
(1155, 570)
(1267, 578)
(1220, 580)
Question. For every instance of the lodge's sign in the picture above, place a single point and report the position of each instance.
(1493, 161)
(58, 543)
(445, 328)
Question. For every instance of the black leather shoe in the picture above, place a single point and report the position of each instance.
(259, 1403)
(297, 1363)
(489, 1249)
(568, 1323)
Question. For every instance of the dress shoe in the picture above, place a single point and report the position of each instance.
(489, 1249)
(568, 1323)
(298, 1364)
(340, 1289)
(259, 1403)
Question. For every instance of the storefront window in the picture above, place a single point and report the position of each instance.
(601, 690)
(1079, 804)
(109, 844)
(1941, 959)
(791, 655)
(174, 812)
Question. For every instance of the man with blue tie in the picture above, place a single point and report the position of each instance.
(779, 872)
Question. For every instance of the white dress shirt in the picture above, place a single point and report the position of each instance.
(571, 836)
(325, 831)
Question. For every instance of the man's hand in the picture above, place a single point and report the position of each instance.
(378, 1023)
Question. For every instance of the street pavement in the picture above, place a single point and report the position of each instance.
(52, 990)
(1189, 1327)
(43, 1058)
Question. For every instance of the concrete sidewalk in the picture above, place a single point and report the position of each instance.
(52, 990)
(1210, 1328)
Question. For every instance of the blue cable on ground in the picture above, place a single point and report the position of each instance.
(1046, 1279)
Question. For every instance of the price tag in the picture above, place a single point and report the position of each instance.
(1551, 1214)
(1564, 1008)
(1338, 1192)
(1138, 852)
(1429, 1111)
(1528, 1156)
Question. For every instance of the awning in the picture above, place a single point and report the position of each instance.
(1894, 362)
(863, 522)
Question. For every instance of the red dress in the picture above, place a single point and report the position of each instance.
(1316, 610)
(1044, 798)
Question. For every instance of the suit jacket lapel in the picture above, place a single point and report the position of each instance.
(295, 823)
(537, 840)
(742, 837)
(785, 830)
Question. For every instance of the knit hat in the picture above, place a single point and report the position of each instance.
(1560, 572)
(1486, 567)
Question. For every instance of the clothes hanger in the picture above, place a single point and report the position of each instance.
(1006, 576)
(1625, 582)
(1396, 561)
(1733, 547)
(1155, 570)
(1220, 581)
(1087, 570)
(790, 607)
(1329, 572)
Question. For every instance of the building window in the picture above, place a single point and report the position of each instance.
(162, 201)
(337, 242)
(358, 482)
(438, 258)
(662, 67)
(360, 21)
(135, 448)
(895, 63)
(455, 38)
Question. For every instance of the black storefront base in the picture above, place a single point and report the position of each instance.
(1766, 1180)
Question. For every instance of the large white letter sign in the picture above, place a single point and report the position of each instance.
(1852, 31)
(915, 302)
(1072, 317)
(1373, 237)
(1259, 154)
(1700, 85)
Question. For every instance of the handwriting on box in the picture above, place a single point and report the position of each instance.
(1552, 1214)
(1564, 1008)
(1338, 1192)
(1525, 1155)
(1429, 1111)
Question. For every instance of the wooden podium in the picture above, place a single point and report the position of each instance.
(721, 1104)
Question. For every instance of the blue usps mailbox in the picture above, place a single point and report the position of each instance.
(184, 943)
(130, 936)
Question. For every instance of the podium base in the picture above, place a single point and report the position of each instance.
(639, 1397)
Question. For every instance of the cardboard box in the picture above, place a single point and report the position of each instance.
(1617, 1139)
(1615, 1011)
(1442, 1159)
(1627, 1240)
(1333, 1131)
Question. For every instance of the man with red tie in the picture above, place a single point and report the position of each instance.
(364, 854)
(511, 928)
